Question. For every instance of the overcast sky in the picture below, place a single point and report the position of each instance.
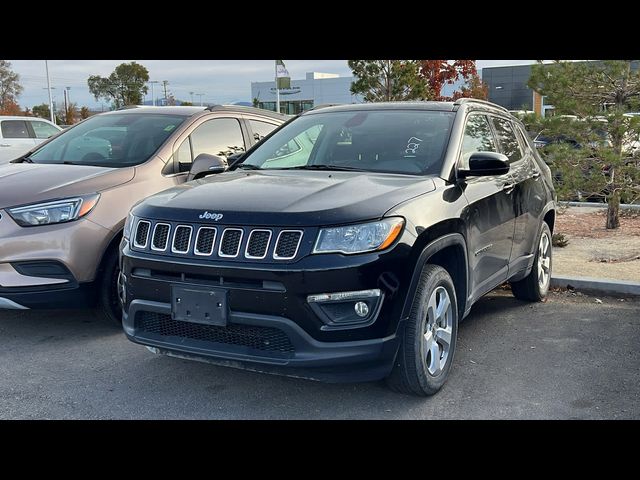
(221, 81)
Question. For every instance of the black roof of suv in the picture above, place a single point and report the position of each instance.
(346, 246)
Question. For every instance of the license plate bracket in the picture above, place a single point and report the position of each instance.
(206, 305)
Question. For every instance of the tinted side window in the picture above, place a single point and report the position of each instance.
(14, 129)
(507, 139)
(220, 136)
(43, 130)
(477, 138)
(261, 129)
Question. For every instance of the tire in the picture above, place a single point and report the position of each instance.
(109, 306)
(534, 287)
(416, 370)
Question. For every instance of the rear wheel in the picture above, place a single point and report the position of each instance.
(109, 306)
(429, 340)
(534, 287)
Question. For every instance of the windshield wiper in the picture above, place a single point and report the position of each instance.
(324, 167)
(248, 166)
(23, 160)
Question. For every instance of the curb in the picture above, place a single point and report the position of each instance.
(623, 206)
(619, 287)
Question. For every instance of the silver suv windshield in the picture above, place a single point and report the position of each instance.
(114, 140)
(393, 141)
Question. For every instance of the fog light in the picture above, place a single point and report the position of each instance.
(351, 309)
(362, 309)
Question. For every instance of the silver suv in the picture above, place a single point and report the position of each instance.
(20, 134)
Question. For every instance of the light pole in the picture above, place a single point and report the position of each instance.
(153, 98)
(191, 93)
(200, 95)
(46, 66)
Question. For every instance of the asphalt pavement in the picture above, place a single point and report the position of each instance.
(569, 358)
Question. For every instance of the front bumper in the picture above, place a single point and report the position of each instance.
(271, 326)
(363, 360)
(77, 245)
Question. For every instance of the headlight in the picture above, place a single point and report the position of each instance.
(365, 237)
(126, 231)
(58, 211)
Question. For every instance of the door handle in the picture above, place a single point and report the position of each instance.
(508, 188)
(4, 145)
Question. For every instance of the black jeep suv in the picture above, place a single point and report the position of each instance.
(346, 246)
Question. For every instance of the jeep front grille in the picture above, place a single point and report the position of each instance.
(160, 236)
(181, 239)
(142, 234)
(223, 242)
(204, 241)
(287, 244)
(230, 242)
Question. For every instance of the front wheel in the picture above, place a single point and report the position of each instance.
(534, 287)
(429, 340)
(109, 306)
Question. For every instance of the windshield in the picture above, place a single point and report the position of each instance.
(394, 141)
(114, 140)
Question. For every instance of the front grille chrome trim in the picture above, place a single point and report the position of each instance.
(146, 239)
(153, 236)
(275, 249)
(222, 255)
(266, 250)
(213, 243)
(173, 239)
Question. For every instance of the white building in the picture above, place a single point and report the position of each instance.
(316, 89)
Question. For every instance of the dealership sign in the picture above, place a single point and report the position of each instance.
(287, 91)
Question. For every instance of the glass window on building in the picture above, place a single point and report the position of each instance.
(288, 107)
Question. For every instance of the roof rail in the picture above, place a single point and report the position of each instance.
(210, 108)
(128, 107)
(462, 101)
(324, 105)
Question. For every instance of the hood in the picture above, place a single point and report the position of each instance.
(291, 198)
(22, 183)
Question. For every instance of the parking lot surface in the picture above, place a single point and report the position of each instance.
(568, 358)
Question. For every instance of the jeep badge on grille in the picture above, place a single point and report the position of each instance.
(211, 216)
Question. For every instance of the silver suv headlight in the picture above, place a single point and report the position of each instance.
(56, 211)
(128, 223)
(360, 238)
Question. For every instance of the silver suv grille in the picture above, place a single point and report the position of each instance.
(226, 243)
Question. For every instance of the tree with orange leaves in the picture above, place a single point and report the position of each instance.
(438, 73)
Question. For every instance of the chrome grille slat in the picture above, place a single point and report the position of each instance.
(179, 238)
(205, 240)
(160, 237)
(287, 244)
(230, 241)
(258, 245)
(142, 232)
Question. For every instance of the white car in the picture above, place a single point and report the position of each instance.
(18, 135)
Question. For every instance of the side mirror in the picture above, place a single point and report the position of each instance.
(485, 164)
(205, 164)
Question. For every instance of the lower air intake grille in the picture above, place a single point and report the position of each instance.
(265, 339)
